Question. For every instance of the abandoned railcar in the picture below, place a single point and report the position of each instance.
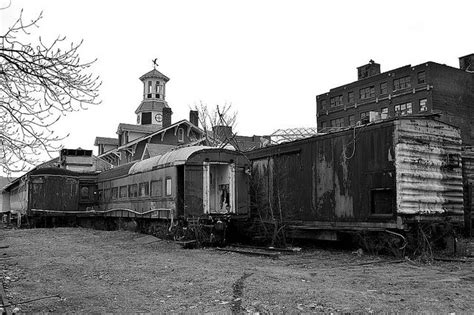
(379, 176)
(49, 191)
(190, 182)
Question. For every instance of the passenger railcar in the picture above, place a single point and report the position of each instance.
(50, 191)
(186, 183)
(377, 177)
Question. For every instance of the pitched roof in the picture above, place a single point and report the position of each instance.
(149, 105)
(105, 140)
(137, 128)
(154, 74)
(157, 132)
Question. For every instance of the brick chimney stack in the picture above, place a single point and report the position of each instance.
(167, 112)
(194, 117)
(466, 63)
(368, 70)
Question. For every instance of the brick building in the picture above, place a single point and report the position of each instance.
(427, 88)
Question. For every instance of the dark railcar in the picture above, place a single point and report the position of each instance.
(51, 190)
(371, 177)
(187, 182)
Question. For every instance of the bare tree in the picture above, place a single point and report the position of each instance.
(211, 119)
(39, 83)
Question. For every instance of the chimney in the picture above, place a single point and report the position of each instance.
(368, 70)
(167, 112)
(466, 63)
(222, 132)
(194, 117)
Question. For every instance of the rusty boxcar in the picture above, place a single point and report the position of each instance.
(378, 176)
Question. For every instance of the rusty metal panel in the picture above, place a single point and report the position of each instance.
(428, 168)
(326, 178)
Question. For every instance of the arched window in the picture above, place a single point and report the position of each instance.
(180, 135)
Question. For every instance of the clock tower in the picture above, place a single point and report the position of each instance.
(154, 109)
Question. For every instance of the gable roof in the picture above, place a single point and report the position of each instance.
(105, 140)
(154, 74)
(176, 124)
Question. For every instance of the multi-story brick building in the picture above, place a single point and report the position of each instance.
(427, 88)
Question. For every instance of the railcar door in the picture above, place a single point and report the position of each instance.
(218, 187)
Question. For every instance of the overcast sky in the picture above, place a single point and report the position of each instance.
(268, 58)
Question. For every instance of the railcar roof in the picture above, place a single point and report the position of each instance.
(174, 157)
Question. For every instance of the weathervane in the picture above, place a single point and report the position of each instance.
(155, 63)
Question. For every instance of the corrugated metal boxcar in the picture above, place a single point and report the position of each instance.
(187, 182)
(371, 177)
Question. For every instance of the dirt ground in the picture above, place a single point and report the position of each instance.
(120, 271)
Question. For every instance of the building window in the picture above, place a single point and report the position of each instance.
(143, 189)
(157, 188)
(367, 92)
(402, 83)
(324, 124)
(351, 120)
(336, 101)
(150, 89)
(421, 77)
(180, 135)
(384, 113)
(168, 186)
(423, 106)
(364, 115)
(350, 97)
(403, 109)
(132, 191)
(146, 118)
(383, 88)
(338, 122)
(123, 192)
(324, 104)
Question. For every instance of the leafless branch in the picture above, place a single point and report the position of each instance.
(39, 84)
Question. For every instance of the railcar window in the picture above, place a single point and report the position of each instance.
(143, 189)
(132, 191)
(85, 192)
(106, 194)
(168, 186)
(123, 191)
(157, 188)
(114, 193)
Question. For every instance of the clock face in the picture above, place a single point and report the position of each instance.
(158, 117)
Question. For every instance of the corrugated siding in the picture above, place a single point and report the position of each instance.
(468, 177)
(428, 168)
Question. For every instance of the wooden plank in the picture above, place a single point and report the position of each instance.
(249, 252)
